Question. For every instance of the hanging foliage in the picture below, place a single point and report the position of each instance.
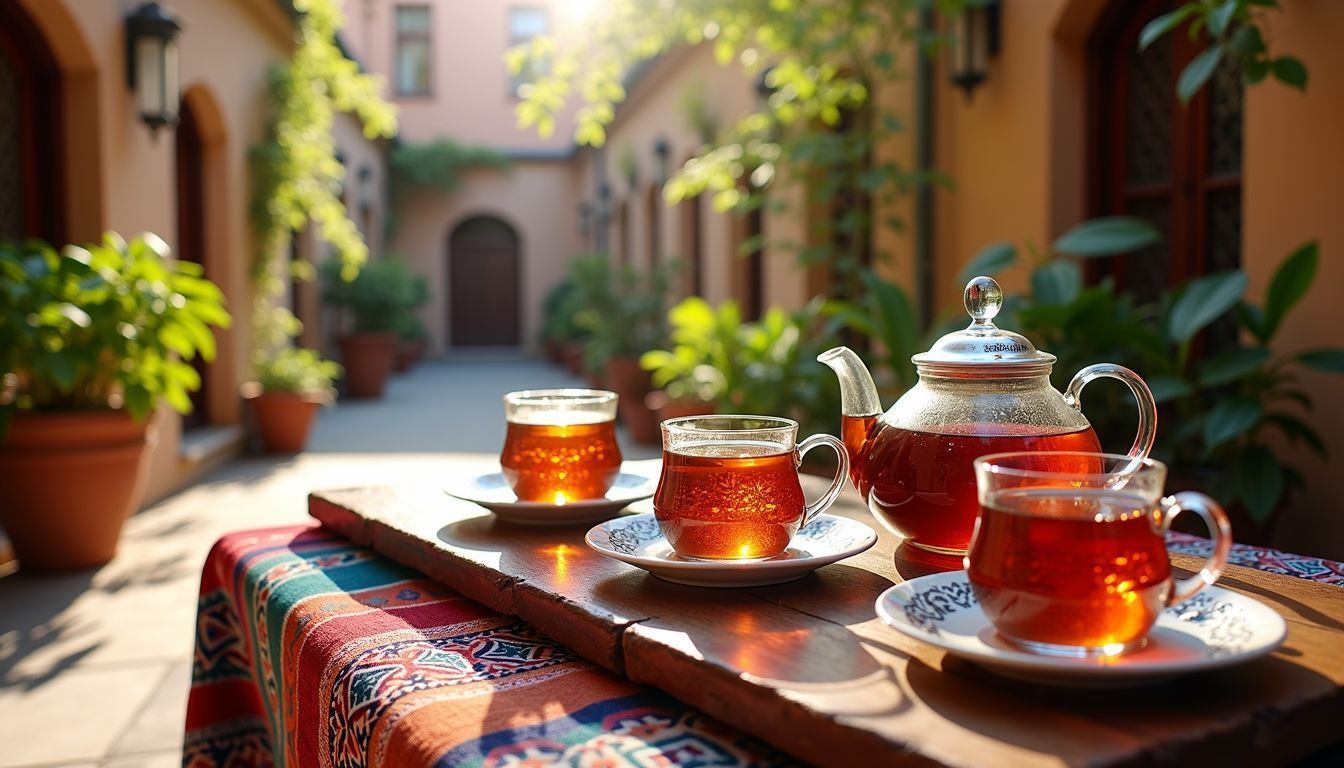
(296, 175)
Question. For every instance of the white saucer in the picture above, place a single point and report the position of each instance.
(637, 540)
(1216, 628)
(492, 492)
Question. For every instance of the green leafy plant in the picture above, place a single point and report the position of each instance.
(438, 166)
(621, 309)
(558, 311)
(108, 325)
(379, 296)
(1229, 411)
(299, 370)
(1232, 28)
(766, 367)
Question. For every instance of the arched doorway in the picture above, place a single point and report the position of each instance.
(483, 284)
(31, 200)
(191, 215)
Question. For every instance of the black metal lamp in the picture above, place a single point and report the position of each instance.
(662, 150)
(975, 40)
(151, 63)
(367, 193)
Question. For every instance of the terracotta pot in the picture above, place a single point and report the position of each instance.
(554, 351)
(667, 408)
(574, 357)
(70, 480)
(409, 352)
(631, 382)
(284, 418)
(368, 357)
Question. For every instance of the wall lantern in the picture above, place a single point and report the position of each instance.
(975, 40)
(662, 150)
(585, 219)
(367, 193)
(151, 63)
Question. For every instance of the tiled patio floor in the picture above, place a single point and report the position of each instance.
(94, 667)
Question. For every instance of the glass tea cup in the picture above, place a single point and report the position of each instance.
(1069, 554)
(561, 444)
(729, 489)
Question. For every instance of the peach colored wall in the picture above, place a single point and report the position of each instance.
(471, 100)
(536, 198)
(1294, 184)
(123, 178)
(1015, 154)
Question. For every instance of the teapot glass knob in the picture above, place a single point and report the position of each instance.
(983, 299)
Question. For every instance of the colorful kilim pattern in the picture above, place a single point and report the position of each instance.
(311, 651)
(1263, 559)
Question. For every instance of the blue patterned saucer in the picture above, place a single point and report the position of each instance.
(637, 540)
(1216, 628)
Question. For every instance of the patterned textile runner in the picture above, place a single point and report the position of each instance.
(1263, 559)
(311, 651)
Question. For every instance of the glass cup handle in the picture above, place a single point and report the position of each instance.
(1143, 441)
(1219, 528)
(811, 511)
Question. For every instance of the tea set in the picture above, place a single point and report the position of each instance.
(1067, 579)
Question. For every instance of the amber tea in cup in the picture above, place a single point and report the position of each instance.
(729, 489)
(1075, 563)
(560, 445)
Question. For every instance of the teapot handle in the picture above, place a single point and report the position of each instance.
(1143, 441)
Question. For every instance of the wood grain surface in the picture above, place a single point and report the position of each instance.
(808, 666)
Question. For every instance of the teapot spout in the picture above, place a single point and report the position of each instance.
(858, 393)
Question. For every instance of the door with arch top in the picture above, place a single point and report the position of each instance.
(191, 213)
(484, 284)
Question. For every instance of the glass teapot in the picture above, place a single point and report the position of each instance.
(981, 390)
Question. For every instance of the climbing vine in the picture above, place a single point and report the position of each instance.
(436, 166)
(296, 175)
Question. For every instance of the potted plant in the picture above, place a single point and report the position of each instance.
(375, 298)
(624, 312)
(92, 340)
(291, 385)
(412, 338)
(558, 330)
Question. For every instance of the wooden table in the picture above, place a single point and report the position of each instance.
(808, 667)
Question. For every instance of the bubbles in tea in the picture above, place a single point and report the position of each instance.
(718, 501)
(1072, 567)
(560, 463)
(922, 484)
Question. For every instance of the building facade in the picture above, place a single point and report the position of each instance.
(76, 160)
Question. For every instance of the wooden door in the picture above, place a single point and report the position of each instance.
(483, 284)
(31, 197)
(1178, 166)
(191, 235)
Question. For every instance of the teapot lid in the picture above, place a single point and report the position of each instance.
(982, 344)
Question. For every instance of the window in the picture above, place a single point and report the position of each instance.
(525, 24)
(412, 65)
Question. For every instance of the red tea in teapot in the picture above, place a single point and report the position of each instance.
(922, 484)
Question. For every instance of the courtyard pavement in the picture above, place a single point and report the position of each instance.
(95, 666)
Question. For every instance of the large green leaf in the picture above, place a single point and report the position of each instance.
(1057, 282)
(991, 260)
(1290, 71)
(1331, 360)
(1107, 236)
(1164, 24)
(1229, 419)
(1298, 431)
(1231, 365)
(1198, 72)
(1261, 482)
(1166, 388)
(1204, 301)
(1290, 283)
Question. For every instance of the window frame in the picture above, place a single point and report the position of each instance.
(400, 36)
(513, 83)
